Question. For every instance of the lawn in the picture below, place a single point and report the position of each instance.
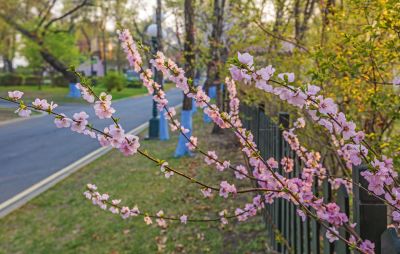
(9, 114)
(59, 94)
(62, 221)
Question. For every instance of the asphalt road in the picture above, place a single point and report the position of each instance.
(34, 149)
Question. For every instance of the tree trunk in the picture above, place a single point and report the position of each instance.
(58, 66)
(213, 67)
(188, 49)
(103, 38)
(158, 74)
(8, 65)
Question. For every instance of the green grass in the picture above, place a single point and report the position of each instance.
(9, 114)
(62, 221)
(59, 94)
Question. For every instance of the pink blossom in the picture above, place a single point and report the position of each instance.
(348, 130)
(396, 216)
(40, 104)
(171, 113)
(297, 98)
(62, 121)
(331, 234)
(287, 164)
(272, 163)
(327, 106)
(129, 145)
(79, 125)
(117, 132)
(241, 172)
(222, 215)
(91, 187)
(89, 133)
(301, 214)
(312, 90)
(134, 211)
(201, 98)
(163, 166)
(147, 220)
(192, 144)
(160, 221)
(368, 247)
(300, 123)
(236, 73)
(226, 188)
(184, 130)
(168, 174)
(245, 58)
(103, 140)
(15, 95)
(183, 219)
(130, 49)
(86, 94)
(23, 111)
(266, 73)
(125, 212)
(206, 192)
(103, 107)
(241, 215)
(290, 76)
(211, 158)
(359, 137)
(396, 81)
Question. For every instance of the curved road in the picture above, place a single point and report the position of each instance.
(34, 149)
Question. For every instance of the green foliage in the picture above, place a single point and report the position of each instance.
(113, 80)
(353, 57)
(61, 45)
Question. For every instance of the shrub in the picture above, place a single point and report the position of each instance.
(134, 84)
(113, 80)
(59, 81)
(11, 79)
(33, 80)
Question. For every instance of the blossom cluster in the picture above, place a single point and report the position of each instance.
(323, 111)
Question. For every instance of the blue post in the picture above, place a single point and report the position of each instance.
(186, 120)
(212, 92)
(73, 91)
(164, 133)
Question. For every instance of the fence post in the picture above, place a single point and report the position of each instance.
(369, 212)
(343, 202)
(283, 123)
(327, 194)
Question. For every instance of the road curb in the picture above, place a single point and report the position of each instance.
(23, 197)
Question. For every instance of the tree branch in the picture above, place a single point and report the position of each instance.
(76, 8)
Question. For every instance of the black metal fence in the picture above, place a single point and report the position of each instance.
(286, 231)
